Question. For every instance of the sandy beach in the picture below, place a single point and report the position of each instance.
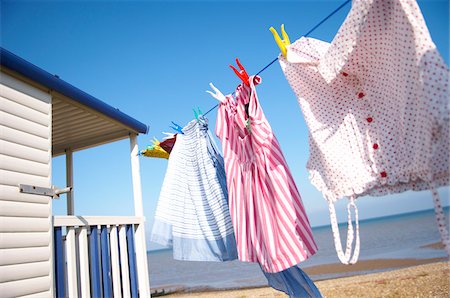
(416, 278)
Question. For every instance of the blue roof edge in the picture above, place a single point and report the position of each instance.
(31, 71)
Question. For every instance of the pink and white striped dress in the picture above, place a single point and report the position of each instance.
(270, 223)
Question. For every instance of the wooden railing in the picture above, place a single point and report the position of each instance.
(95, 256)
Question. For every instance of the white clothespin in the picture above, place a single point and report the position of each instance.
(216, 94)
(168, 135)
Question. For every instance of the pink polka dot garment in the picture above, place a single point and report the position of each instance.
(376, 102)
(270, 222)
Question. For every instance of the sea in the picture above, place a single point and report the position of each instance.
(404, 236)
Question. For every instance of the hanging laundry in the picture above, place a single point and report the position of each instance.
(155, 150)
(294, 282)
(271, 225)
(168, 143)
(376, 102)
(192, 214)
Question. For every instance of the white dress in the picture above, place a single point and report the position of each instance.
(376, 102)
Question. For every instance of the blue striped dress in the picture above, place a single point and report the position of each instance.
(192, 214)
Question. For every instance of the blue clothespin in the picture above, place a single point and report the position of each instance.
(177, 127)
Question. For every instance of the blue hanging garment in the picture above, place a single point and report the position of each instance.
(192, 214)
(294, 282)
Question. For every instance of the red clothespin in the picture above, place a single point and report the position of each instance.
(242, 74)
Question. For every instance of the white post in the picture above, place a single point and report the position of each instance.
(114, 248)
(84, 262)
(72, 280)
(141, 247)
(69, 182)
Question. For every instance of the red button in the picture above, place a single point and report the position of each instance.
(360, 95)
(345, 74)
(375, 146)
(369, 119)
(383, 174)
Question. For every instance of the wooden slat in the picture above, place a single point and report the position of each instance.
(24, 152)
(95, 262)
(73, 118)
(24, 271)
(13, 256)
(59, 260)
(61, 106)
(23, 138)
(38, 295)
(92, 138)
(27, 96)
(84, 262)
(12, 193)
(71, 258)
(106, 264)
(19, 165)
(24, 224)
(19, 110)
(132, 261)
(15, 178)
(78, 129)
(90, 110)
(83, 134)
(124, 261)
(114, 244)
(24, 125)
(21, 209)
(25, 286)
(58, 148)
(22, 240)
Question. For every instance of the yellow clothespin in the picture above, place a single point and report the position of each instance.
(282, 43)
(155, 141)
(155, 150)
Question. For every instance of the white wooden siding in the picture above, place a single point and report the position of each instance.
(10, 193)
(38, 295)
(24, 112)
(18, 240)
(13, 178)
(24, 125)
(13, 256)
(25, 220)
(24, 152)
(11, 224)
(22, 138)
(25, 271)
(20, 165)
(22, 287)
(24, 94)
(21, 209)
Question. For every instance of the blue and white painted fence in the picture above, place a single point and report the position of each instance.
(95, 256)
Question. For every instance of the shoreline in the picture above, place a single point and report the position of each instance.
(320, 274)
(358, 270)
(364, 267)
(423, 280)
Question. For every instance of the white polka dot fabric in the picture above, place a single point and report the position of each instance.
(376, 102)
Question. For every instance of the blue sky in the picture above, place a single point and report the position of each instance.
(154, 59)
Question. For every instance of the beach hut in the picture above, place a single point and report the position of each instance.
(42, 255)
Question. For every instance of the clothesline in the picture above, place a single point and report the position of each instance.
(307, 34)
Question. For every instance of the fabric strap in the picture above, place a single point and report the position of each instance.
(440, 219)
(346, 258)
